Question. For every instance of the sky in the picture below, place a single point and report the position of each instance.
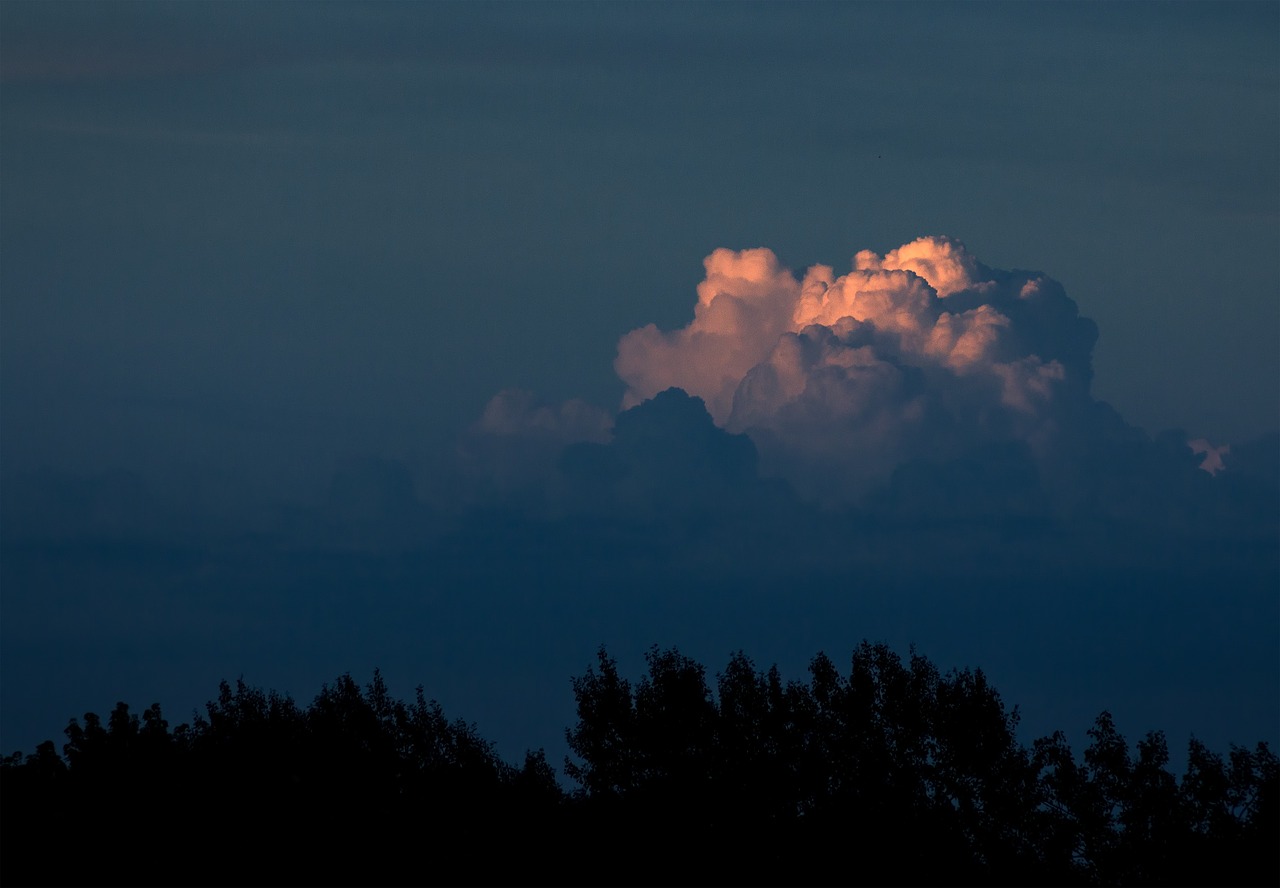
(339, 335)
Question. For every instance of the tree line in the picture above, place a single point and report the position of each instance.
(888, 773)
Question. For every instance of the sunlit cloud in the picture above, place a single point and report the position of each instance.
(922, 352)
(921, 366)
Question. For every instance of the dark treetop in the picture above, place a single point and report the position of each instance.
(890, 772)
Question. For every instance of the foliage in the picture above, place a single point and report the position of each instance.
(747, 778)
(829, 779)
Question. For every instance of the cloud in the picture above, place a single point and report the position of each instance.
(518, 413)
(666, 460)
(920, 353)
(510, 452)
(921, 387)
(1212, 454)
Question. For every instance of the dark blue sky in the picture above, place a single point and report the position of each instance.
(249, 246)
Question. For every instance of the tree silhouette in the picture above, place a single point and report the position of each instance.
(825, 781)
(605, 736)
(748, 779)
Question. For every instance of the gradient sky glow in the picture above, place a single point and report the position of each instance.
(266, 269)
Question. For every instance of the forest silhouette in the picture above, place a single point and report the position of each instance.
(888, 773)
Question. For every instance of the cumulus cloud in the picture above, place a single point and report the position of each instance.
(667, 458)
(922, 352)
(518, 413)
(918, 385)
(512, 449)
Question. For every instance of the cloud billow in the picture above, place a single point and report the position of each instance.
(919, 386)
(923, 352)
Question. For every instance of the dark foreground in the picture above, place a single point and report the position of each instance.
(888, 773)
